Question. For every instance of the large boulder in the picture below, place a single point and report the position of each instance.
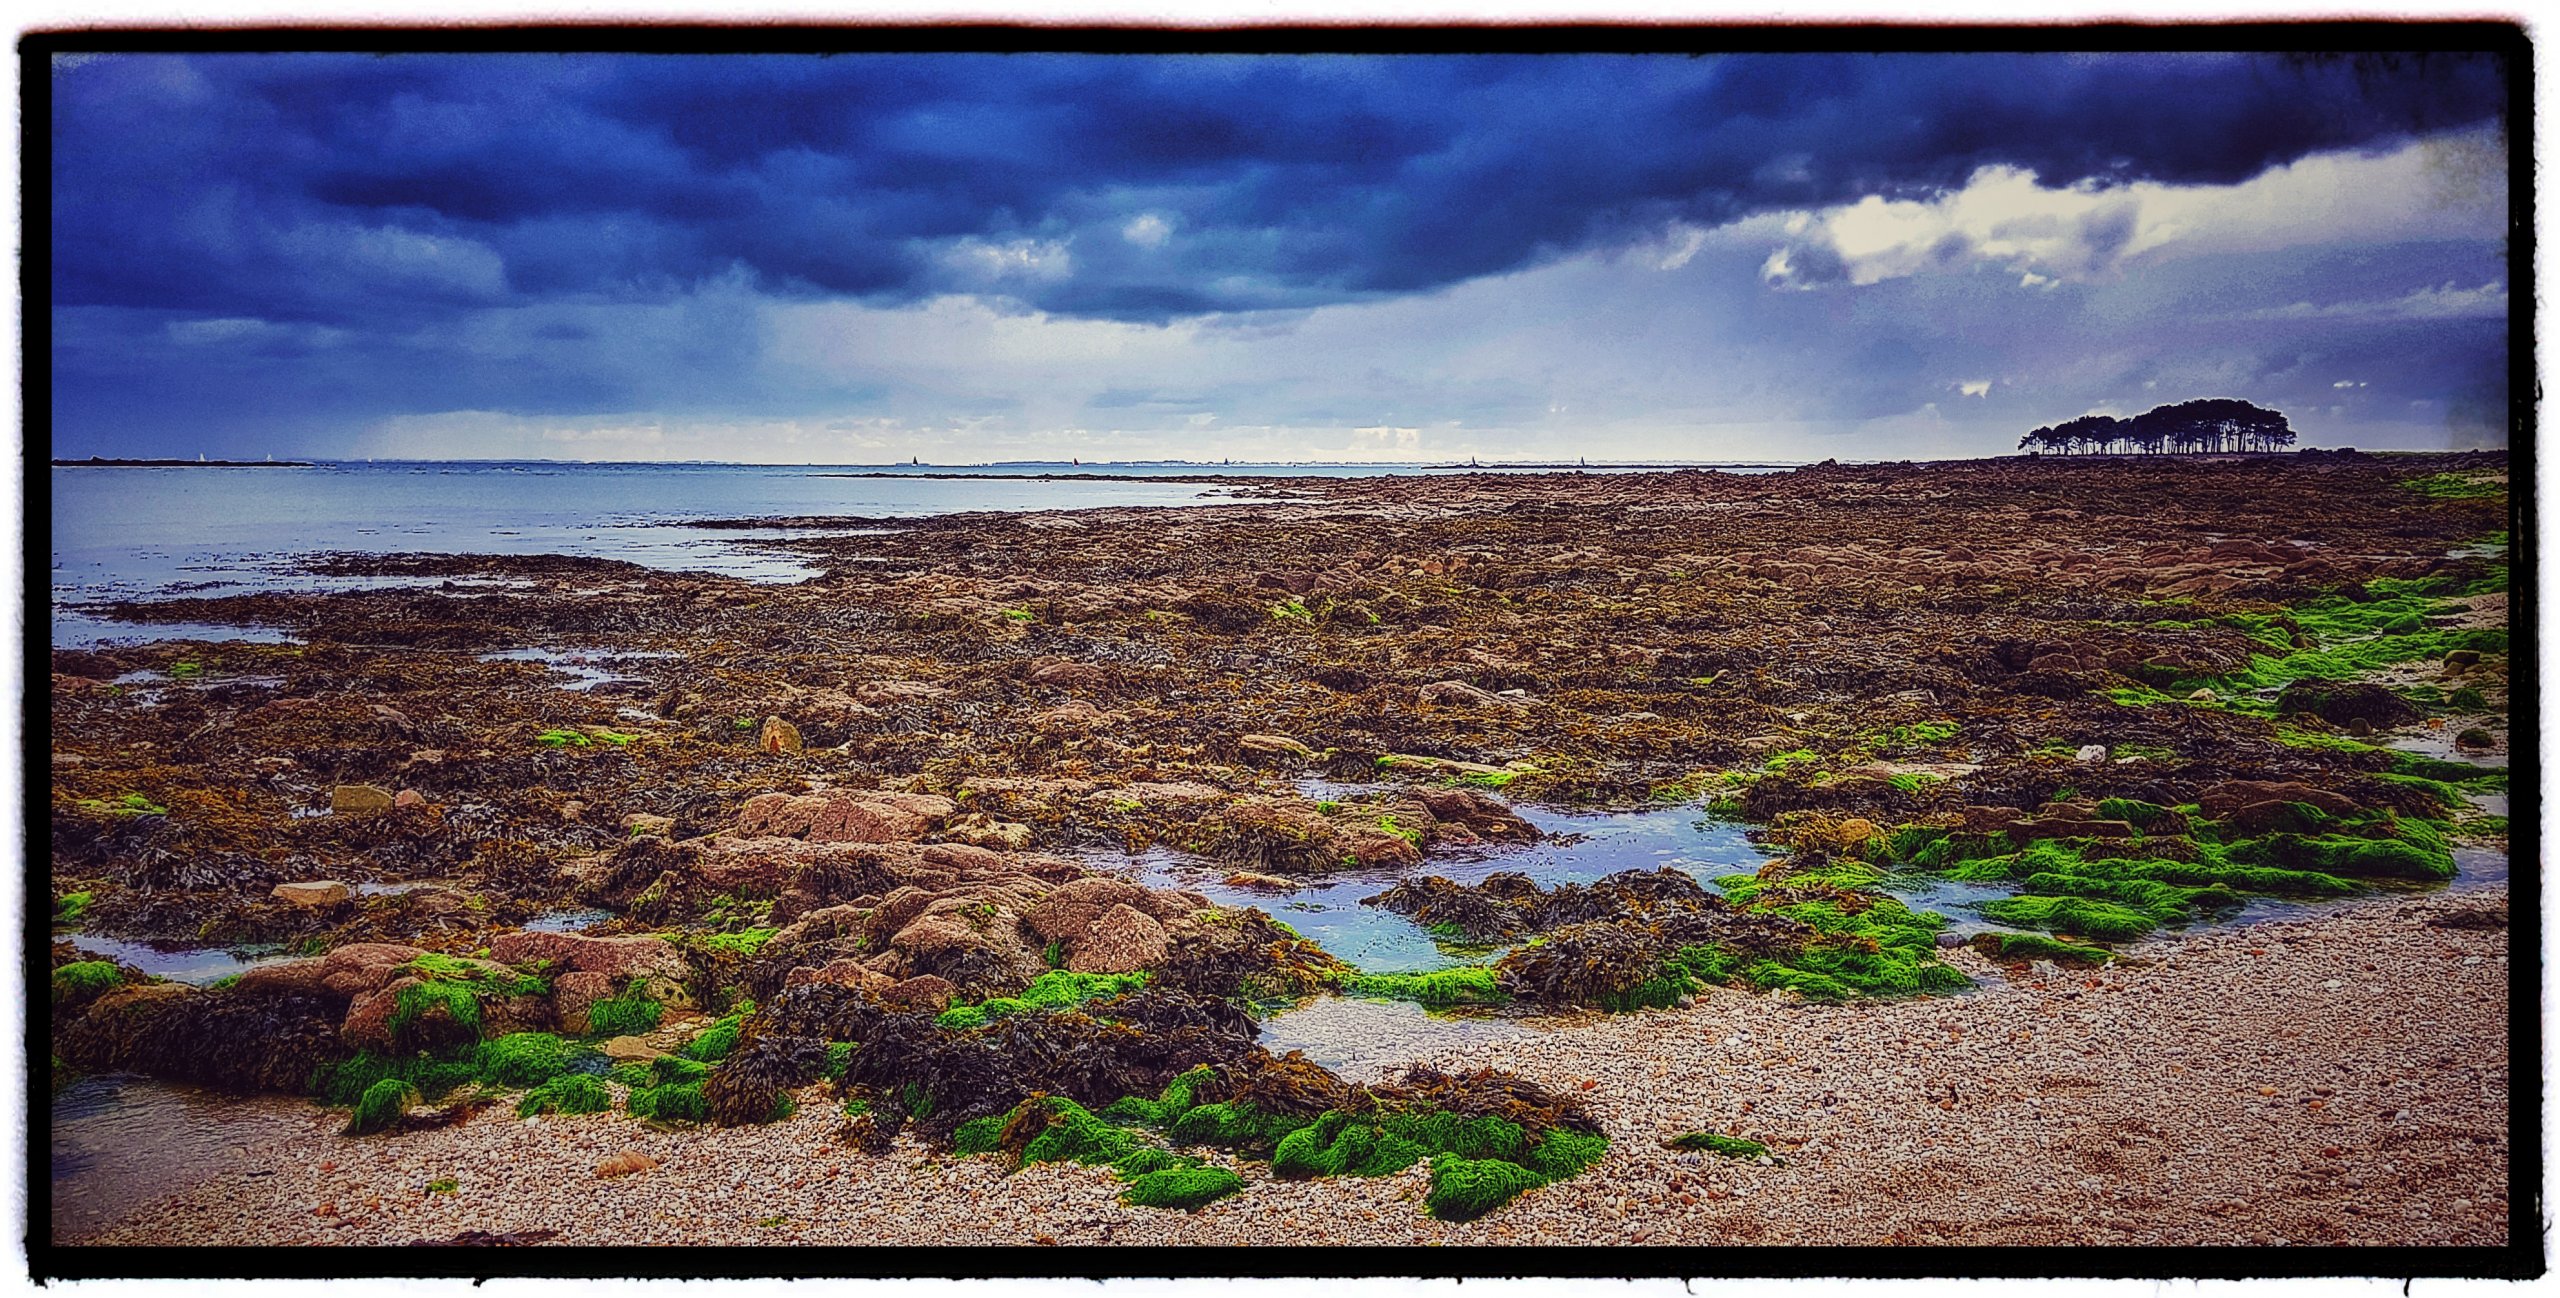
(616, 957)
(1123, 940)
(574, 993)
(843, 816)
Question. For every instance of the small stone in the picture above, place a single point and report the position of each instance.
(359, 799)
(626, 1049)
(2093, 752)
(641, 824)
(780, 738)
(315, 894)
(408, 798)
(625, 1163)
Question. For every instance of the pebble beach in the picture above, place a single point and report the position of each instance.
(2338, 1078)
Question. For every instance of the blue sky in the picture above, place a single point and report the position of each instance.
(860, 259)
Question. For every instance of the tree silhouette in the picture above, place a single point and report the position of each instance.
(2209, 425)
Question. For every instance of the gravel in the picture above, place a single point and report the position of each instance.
(2339, 1078)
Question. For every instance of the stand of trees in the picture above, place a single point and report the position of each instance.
(2209, 426)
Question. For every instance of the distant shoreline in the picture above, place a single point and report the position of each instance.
(93, 462)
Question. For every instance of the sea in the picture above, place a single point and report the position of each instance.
(144, 533)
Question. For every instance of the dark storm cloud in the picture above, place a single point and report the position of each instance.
(374, 192)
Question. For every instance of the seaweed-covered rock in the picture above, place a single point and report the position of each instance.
(2342, 702)
(218, 1038)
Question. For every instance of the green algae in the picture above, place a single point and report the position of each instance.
(382, 1106)
(1463, 1189)
(574, 1093)
(1468, 985)
(1183, 1188)
(522, 1059)
(1056, 989)
(671, 1102)
(630, 1013)
(2082, 916)
(431, 1075)
(2036, 946)
(84, 979)
(455, 1001)
(1712, 1143)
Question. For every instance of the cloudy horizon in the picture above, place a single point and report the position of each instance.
(965, 258)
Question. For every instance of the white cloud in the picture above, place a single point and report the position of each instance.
(2346, 383)
(2005, 217)
(397, 257)
(988, 262)
(1147, 231)
(1974, 388)
(2445, 302)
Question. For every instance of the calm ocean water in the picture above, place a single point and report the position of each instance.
(131, 533)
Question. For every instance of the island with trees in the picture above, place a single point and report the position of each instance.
(2210, 426)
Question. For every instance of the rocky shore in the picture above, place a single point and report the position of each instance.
(819, 898)
(2340, 1079)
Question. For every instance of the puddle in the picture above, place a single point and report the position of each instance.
(1590, 846)
(584, 667)
(179, 964)
(76, 630)
(1362, 1039)
(121, 1143)
(566, 921)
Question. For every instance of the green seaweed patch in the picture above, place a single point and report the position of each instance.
(522, 1059)
(671, 1102)
(382, 1106)
(2083, 916)
(431, 1075)
(70, 906)
(1712, 1143)
(574, 1093)
(563, 739)
(1057, 989)
(1185, 1188)
(629, 1013)
(478, 979)
(1467, 985)
(1463, 1189)
(457, 1002)
(714, 1043)
(131, 804)
(85, 979)
(2021, 947)
(2455, 486)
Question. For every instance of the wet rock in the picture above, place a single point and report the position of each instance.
(628, 1049)
(641, 824)
(1123, 940)
(573, 993)
(843, 816)
(1479, 815)
(314, 895)
(1263, 882)
(1275, 746)
(2341, 703)
(626, 1163)
(1074, 714)
(781, 738)
(1459, 694)
(616, 957)
(285, 978)
(2237, 797)
(367, 1024)
(841, 972)
(2462, 658)
(359, 800)
(923, 992)
(977, 829)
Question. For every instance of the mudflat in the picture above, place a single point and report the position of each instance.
(815, 898)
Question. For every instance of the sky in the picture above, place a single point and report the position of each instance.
(862, 259)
